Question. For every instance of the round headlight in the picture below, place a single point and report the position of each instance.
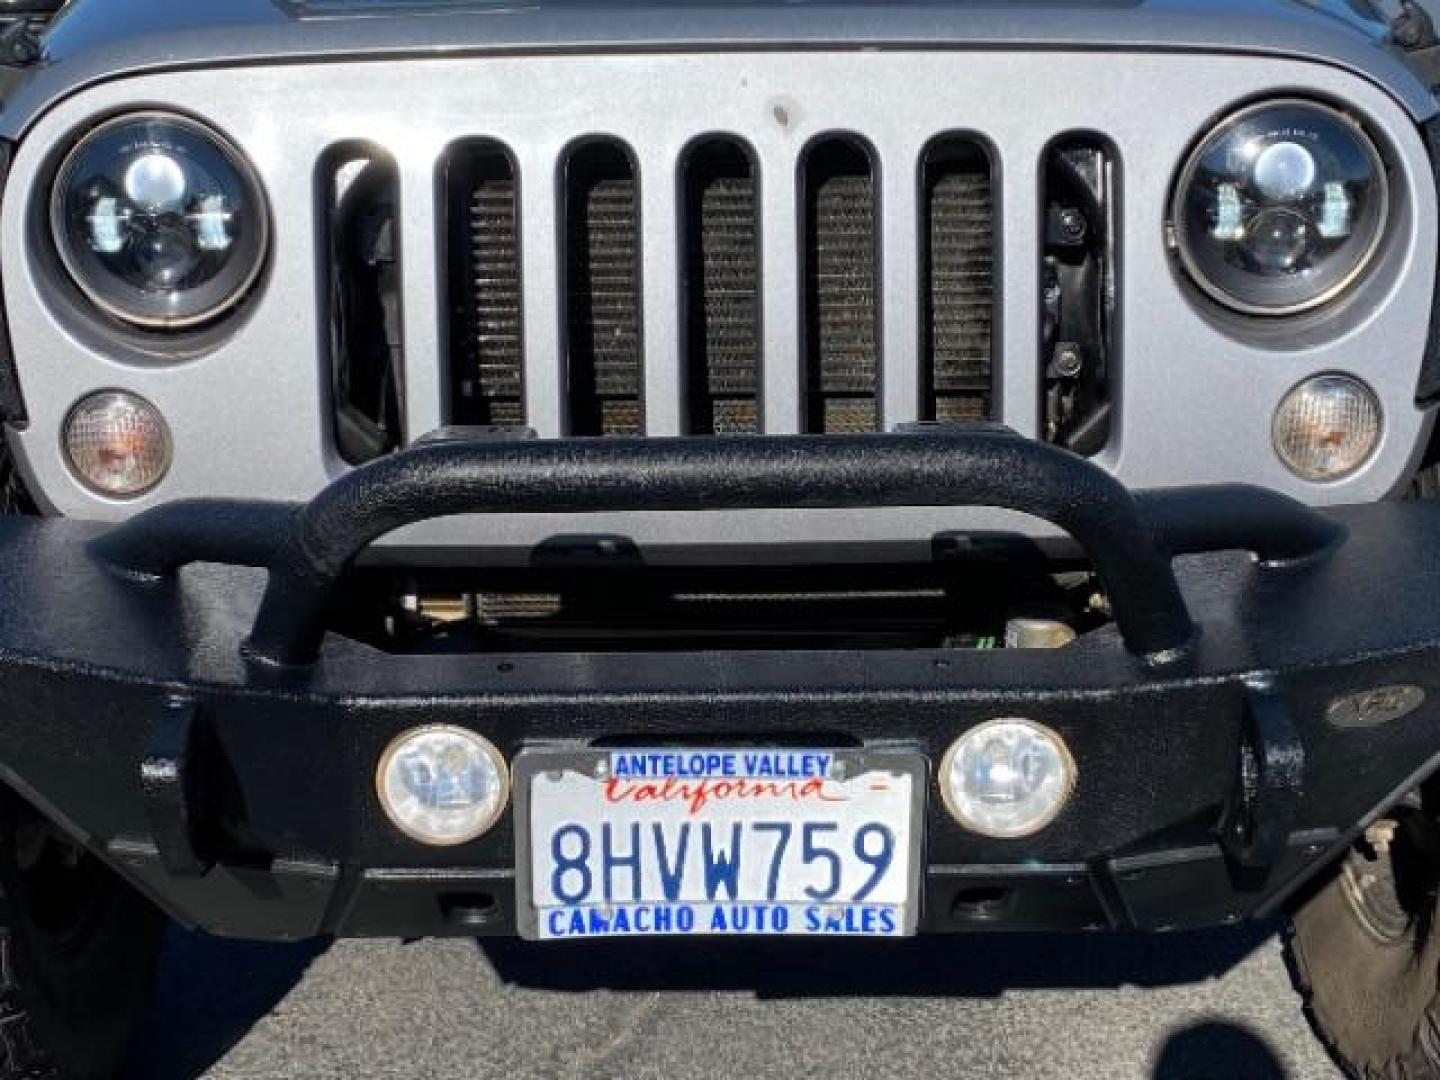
(159, 220)
(1281, 207)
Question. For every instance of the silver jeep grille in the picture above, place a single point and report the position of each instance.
(716, 260)
(489, 341)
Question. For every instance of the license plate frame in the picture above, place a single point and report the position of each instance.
(534, 760)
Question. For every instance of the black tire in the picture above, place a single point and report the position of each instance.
(78, 950)
(1365, 954)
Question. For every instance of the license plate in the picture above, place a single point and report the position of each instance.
(648, 842)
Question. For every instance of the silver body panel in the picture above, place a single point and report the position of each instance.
(249, 417)
(101, 39)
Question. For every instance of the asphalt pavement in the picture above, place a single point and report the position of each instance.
(1208, 1005)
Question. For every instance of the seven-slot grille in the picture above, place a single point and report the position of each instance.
(721, 288)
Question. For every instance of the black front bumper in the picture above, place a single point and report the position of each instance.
(195, 727)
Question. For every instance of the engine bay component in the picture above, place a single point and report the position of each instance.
(1078, 292)
(366, 339)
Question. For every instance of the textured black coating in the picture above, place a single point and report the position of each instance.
(233, 532)
(170, 779)
(1130, 538)
(1269, 779)
(1225, 517)
(89, 660)
(940, 469)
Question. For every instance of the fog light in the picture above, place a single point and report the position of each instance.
(1007, 778)
(117, 443)
(442, 785)
(1327, 427)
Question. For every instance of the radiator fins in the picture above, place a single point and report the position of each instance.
(487, 343)
(722, 296)
(719, 369)
(602, 290)
(958, 290)
(840, 277)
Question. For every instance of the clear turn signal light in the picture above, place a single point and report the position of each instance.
(1327, 427)
(118, 444)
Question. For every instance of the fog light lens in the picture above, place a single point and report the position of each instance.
(442, 785)
(1007, 778)
(1327, 427)
(117, 443)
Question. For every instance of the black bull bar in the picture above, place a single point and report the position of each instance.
(169, 695)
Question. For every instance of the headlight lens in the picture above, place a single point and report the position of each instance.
(160, 221)
(1281, 208)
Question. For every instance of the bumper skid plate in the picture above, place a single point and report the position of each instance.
(169, 695)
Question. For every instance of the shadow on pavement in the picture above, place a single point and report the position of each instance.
(210, 993)
(976, 965)
(1217, 1050)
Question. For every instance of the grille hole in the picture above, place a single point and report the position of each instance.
(602, 291)
(981, 903)
(360, 192)
(959, 283)
(486, 321)
(840, 306)
(1081, 182)
(722, 301)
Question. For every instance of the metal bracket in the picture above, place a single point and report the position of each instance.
(1269, 778)
(171, 780)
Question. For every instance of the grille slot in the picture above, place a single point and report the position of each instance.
(360, 196)
(585, 372)
(841, 354)
(722, 290)
(486, 322)
(958, 287)
(602, 291)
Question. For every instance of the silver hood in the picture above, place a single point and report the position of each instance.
(94, 40)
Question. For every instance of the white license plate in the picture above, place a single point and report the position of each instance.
(718, 841)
